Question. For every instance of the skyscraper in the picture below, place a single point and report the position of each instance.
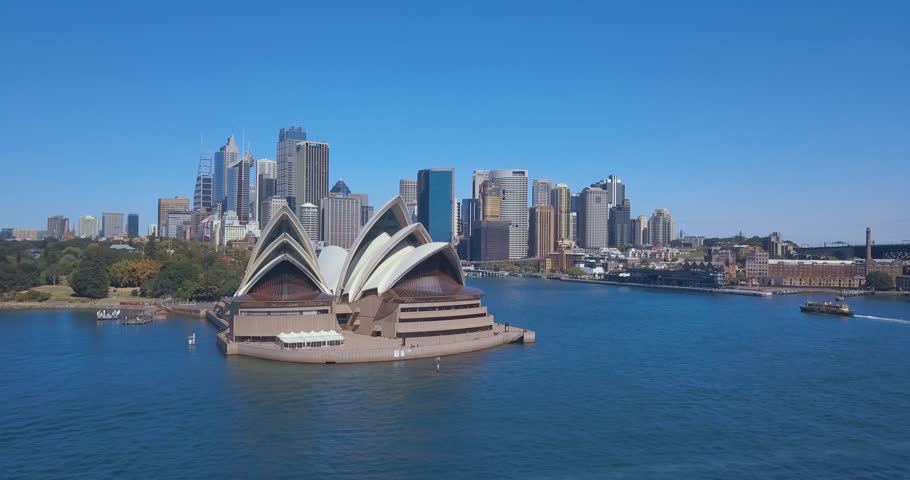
(309, 218)
(614, 187)
(542, 231)
(593, 215)
(619, 226)
(165, 205)
(88, 227)
(640, 230)
(132, 225)
(661, 227)
(407, 188)
(340, 220)
(265, 170)
(470, 213)
(514, 209)
(541, 192)
(111, 224)
(560, 199)
(489, 241)
(366, 210)
(270, 207)
(286, 163)
(265, 191)
(58, 226)
(205, 182)
(477, 181)
(312, 172)
(490, 201)
(436, 202)
(340, 189)
(239, 176)
(227, 155)
(573, 227)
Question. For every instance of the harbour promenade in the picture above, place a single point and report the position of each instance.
(727, 291)
(363, 349)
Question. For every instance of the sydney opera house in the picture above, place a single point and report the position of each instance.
(394, 295)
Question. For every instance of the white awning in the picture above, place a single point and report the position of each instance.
(304, 337)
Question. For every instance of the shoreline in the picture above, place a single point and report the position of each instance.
(186, 310)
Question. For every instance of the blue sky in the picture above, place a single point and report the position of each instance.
(789, 116)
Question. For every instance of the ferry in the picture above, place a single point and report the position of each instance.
(830, 308)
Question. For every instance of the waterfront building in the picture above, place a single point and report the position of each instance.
(707, 277)
(165, 205)
(815, 273)
(88, 227)
(436, 202)
(514, 208)
(661, 227)
(266, 185)
(312, 172)
(286, 159)
(340, 220)
(477, 180)
(308, 215)
(542, 231)
(407, 188)
(593, 217)
(560, 199)
(541, 192)
(489, 241)
(490, 201)
(132, 225)
(57, 227)
(393, 296)
(111, 224)
(639, 228)
(227, 155)
(619, 225)
(757, 264)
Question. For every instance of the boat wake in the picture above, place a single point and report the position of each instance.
(883, 319)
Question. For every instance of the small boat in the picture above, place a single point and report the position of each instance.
(829, 308)
(191, 340)
(838, 299)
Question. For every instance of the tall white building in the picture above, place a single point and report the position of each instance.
(640, 231)
(514, 208)
(308, 214)
(88, 227)
(286, 160)
(593, 215)
(271, 206)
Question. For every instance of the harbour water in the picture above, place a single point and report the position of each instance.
(622, 383)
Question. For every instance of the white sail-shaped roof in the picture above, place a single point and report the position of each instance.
(289, 246)
(415, 258)
(413, 235)
(245, 288)
(392, 217)
(331, 260)
(286, 222)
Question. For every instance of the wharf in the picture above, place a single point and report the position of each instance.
(726, 291)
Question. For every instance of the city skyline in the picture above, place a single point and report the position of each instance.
(656, 110)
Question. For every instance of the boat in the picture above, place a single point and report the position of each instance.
(830, 308)
(107, 315)
(838, 299)
(191, 340)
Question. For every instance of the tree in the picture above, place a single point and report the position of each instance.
(575, 271)
(151, 249)
(132, 272)
(879, 281)
(91, 279)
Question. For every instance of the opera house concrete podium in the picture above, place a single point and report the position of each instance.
(395, 295)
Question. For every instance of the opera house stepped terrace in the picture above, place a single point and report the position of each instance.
(396, 295)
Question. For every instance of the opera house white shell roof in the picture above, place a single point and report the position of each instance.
(388, 249)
